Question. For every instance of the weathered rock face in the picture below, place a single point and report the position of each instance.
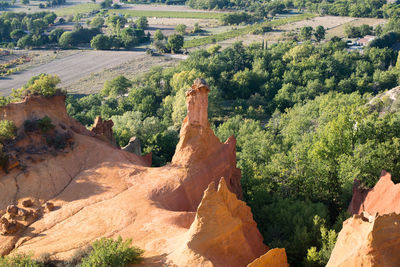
(273, 258)
(201, 155)
(133, 146)
(35, 107)
(103, 130)
(384, 198)
(223, 227)
(96, 190)
(367, 240)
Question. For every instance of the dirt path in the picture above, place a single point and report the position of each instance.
(73, 68)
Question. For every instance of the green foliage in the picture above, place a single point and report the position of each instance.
(181, 29)
(97, 22)
(175, 42)
(328, 240)
(117, 86)
(361, 31)
(109, 252)
(236, 18)
(45, 85)
(13, 28)
(7, 130)
(45, 125)
(238, 32)
(319, 33)
(55, 35)
(19, 260)
(101, 42)
(66, 40)
(158, 35)
(142, 23)
(306, 32)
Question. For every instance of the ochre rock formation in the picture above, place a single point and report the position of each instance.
(384, 198)
(103, 130)
(223, 227)
(96, 190)
(133, 146)
(273, 258)
(368, 240)
(200, 155)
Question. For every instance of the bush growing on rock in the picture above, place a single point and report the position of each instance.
(45, 85)
(19, 260)
(7, 130)
(45, 124)
(109, 252)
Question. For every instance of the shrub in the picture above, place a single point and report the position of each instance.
(45, 124)
(328, 240)
(158, 35)
(45, 85)
(19, 260)
(7, 130)
(109, 252)
(181, 29)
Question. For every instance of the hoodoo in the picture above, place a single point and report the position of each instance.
(372, 236)
(92, 189)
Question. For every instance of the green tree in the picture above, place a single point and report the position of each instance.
(116, 86)
(66, 40)
(306, 32)
(7, 130)
(97, 22)
(100, 42)
(129, 38)
(175, 42)
(158, 35)
(17, 34)
(142, 23)
(319, 33)
(50, 18)
(181, 29)
(55, 35)
(25, 41)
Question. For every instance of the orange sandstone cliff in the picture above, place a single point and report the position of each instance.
(60, 200)
(371, 237)
(368, 240)
(383, 198)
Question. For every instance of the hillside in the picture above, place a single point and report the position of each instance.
(59, 201)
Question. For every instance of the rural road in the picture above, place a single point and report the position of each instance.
(70, 68)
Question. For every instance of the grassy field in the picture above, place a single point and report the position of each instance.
(167, 14)
(81, 8)
(238, 32)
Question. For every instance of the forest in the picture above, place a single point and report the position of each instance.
(34, 30)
